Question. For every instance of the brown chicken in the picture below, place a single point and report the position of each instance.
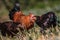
(26, 21)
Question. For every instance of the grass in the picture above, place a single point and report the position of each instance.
(34, 33)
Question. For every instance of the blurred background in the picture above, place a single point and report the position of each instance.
(37, 7)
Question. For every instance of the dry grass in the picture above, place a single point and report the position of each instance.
(34, 34)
